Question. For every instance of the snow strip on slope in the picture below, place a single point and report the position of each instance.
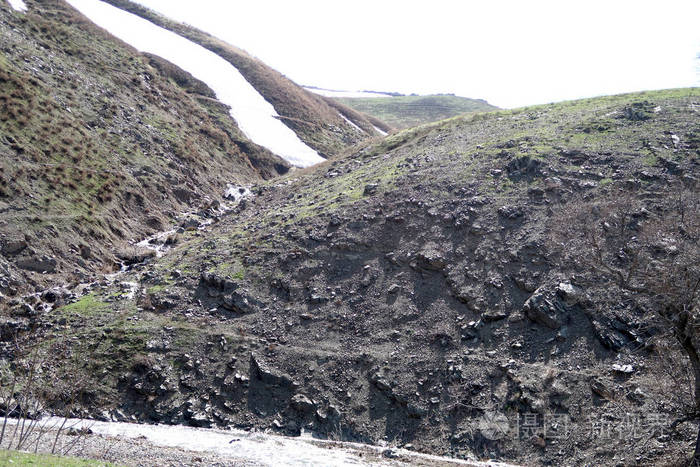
(333, 93)
(254, 115)
(351, 123)
(380, 131)
(18, 5)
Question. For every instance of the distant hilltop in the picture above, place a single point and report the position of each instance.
(405, 111)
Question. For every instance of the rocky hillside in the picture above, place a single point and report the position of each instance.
(409, 111)
(316, 120)
(406, 293)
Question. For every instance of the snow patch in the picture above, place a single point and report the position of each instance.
(255, 116)
(236, 193)
(351, 123)
(334, 93)
(18, 5)
(380, 131)
(157, 242)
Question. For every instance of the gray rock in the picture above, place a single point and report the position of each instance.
(431, 260)
(542, 310)
(600, 389)
(199, 419)
(609, 337)
(623, 369)
(570, 293)
(317, 299)
(13, 246)
(302, 404)
(190, 224)
(676, 141)
(511, 212)
(265, 373)
(241, 302)
(493, 315)
(370, 189)
(38, 264)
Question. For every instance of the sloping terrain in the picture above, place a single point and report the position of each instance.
(317, 123)
(408, 111)
(100, 145)
(406, 293)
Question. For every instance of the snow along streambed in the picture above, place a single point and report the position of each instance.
(255, 116)
(256, 447)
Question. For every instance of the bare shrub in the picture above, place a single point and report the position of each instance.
(650, 248)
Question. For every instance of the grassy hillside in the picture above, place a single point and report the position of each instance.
(315, 121)
(408, 111)
(385, 296)
(100, 145)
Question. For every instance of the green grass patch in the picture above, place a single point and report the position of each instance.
(25, 458)
(89, 305)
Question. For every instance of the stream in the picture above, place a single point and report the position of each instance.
(261, 448)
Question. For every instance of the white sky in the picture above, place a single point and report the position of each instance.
(510, 52)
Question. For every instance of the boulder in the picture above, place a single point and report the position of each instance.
(431, 260)
(260, 370)
(542, 309)
(302, 404)
(43, 264)
(241, 302)
(570, 293)
(13, 246)
(370, 189)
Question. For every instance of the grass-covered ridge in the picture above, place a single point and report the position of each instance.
(408, 111)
